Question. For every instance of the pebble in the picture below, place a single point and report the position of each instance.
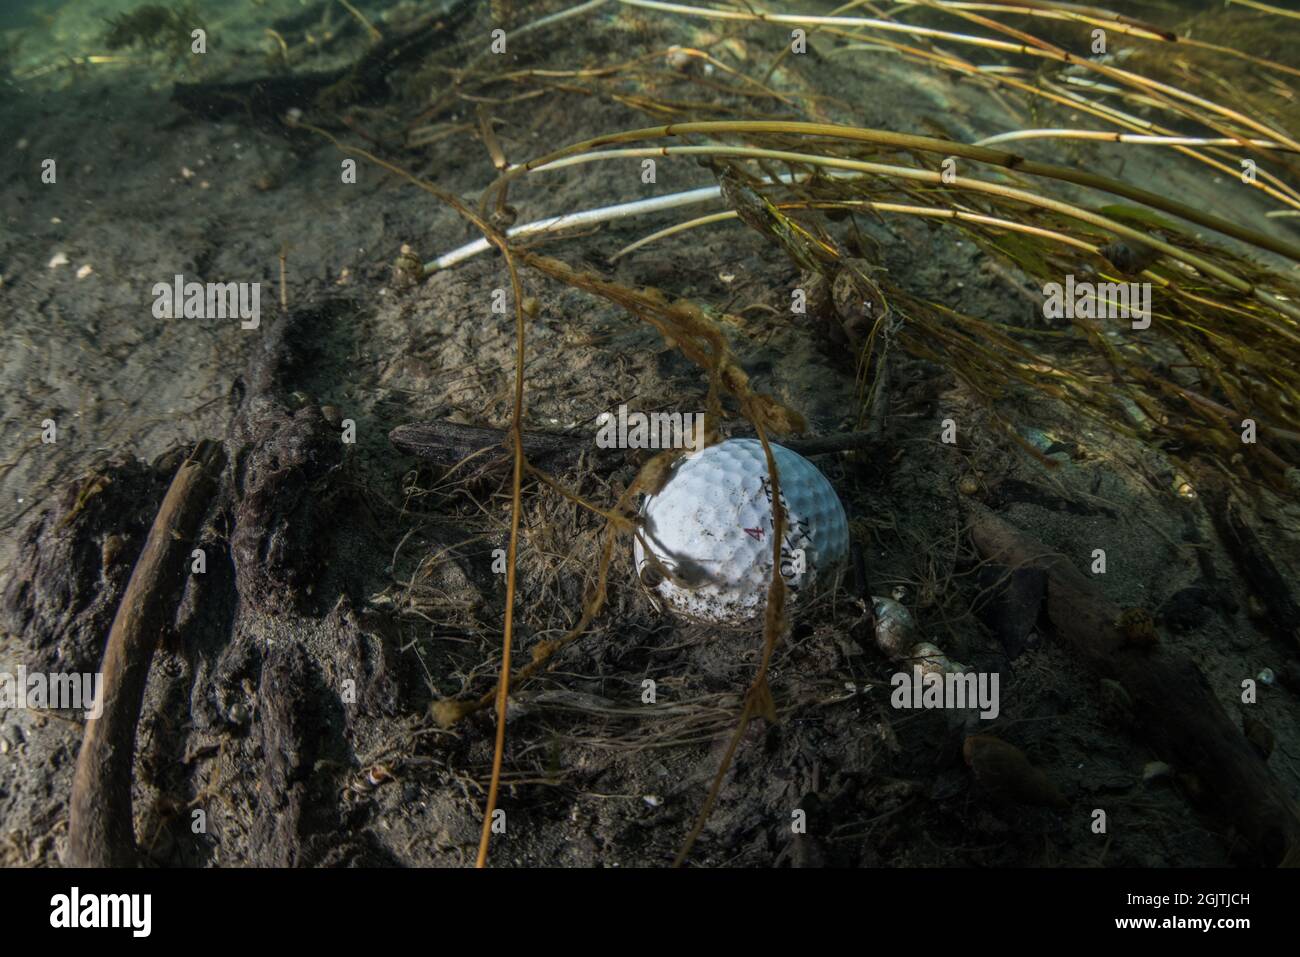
(895, 629)
(11, 738)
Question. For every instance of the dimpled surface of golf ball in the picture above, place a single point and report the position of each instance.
(711, 527)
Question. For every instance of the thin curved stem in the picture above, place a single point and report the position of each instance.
(1028, 46)
(1111, 136)
(928, 176)
(906, 209)
(928, 144)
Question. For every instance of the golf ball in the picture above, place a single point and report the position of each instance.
(711, 527)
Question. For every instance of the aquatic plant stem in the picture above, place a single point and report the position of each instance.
(1279, 189)
(1058, 11)
(1073, 101)
(586, 217)
(512, 552)
(1110, 21)
(928, 144)
(1051, 51)
(1265, 8)
(1110, 136)
(937, 212)
(929, 176)
(605, 214)
(1027, 45)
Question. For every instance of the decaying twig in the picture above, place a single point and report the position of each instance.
(100, 825)
(449, 443)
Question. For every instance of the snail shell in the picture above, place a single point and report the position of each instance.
(895, 628)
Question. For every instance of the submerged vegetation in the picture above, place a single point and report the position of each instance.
(160, 28)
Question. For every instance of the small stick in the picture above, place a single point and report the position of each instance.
(375, 35)
(449, 443)
(499, 162)
(1267, 8)
(835, 442)
(101, 830)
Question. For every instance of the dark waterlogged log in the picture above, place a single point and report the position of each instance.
(100, 822)
(1257, 567)
(1176, 711)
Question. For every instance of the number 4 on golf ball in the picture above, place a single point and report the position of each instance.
(711, 527)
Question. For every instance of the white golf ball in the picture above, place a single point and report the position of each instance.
(711, 527)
